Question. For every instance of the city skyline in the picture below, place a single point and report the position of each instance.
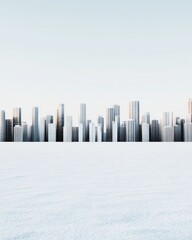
(138, 126)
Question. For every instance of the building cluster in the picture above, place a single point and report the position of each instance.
(109, 129)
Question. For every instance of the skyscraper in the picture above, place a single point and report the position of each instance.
(68, 129)
(116, 109)
(51, 132)
(145, 132)
(100, 122)
(109, 120)
(49, 119)
(35, 125)
(82, 119)
(190, 108)
(42, 130)
(188, 130)
(9, 130)
(99, 133)
(155, 134)
(80, 132)
(134, 113)
(25, 132)
(130, 131)
(60, 122)
(2, 126)
(16, 116)
(18, 133)
(114, 131)
(168, 134)
(92, 133)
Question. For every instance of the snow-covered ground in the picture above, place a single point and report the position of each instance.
(95, 191)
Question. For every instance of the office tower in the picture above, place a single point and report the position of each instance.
(154, 131)
(177, 133)
(60, 122)
(75, 131)
(68, 129)
(82, 119)
(87, 130)
(145, 132)
(80, 132)
(114, 131)
(168, 134)
(51, 132)
(182, 123)
(190, 108)
(9, 130)
(134, 113)
(99, 133)
(18, 133)
(109, 120)
(188, 130)
(2, 126)
(116, 110)
(49, 119)
(92, 133)
(123, 131)
(130, 131)
(100, 121)
(146, 118)
(35, 125)
(25, 132)
(167, 121)
(30, 133)
(16, 116)
(42, 130)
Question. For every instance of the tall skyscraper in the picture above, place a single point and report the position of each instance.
(9, 130)
(82, 119)
(130, 131)
(60, 122)
(109, 121)
(134, 113)
(99, 133)
(92, 133)
(2, 126)
(16, 116)
(123, 131)
(18, 133)
(75, 132)
(188, 130)
(35, 125)
(25, 132)
(168, 134)
(42, 130)
(49, 119)
(51, 132)
(145, 132)
(155, 134)
(100, 122)
(68, 129)
(80, 132)
(114, 131)
(116, 109)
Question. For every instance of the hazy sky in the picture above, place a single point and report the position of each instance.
(99, 52)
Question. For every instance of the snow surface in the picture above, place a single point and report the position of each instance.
(95, 191)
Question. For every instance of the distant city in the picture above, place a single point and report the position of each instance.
(109, 129)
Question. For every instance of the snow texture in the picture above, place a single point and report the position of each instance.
(95, 191)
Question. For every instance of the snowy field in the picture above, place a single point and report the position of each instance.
(95, 191)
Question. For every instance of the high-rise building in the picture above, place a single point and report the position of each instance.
(49, 119)
(99, 133)
(116, 109)
(146, 118)
(134, 113)
(16, 116)
(9, 130)
(2, 127)
(154, 131)
(114, 131)
(109, 120)
(145, 132)
(188, 130)
(68, 129)
(25, 131)
(168, 134)
(100, 121)
(87, 130)
(60, 122)
(51, 132)
(177, 133)
(42, 130)
(123, 131)
(82, 119)
(35, 125)
(130, 131)
(190, 108)
(75, 132)
(80, 132)
(92, 133)
(18, 133)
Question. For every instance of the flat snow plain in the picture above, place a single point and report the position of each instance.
(95, 191)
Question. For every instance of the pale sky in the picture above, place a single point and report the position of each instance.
(98, 52)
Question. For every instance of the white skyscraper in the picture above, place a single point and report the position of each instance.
(145, 132)
(188, 130)
(51, 132)
(2, 127)
(18, 133)
(99, 133)
(168, 134)
(167, 121)
(134, 113)
(130, 131)
(114, 131)
(92, 133)
(42, 130)
(35, 125)
(82, 119)
(80, 132)
(68, 129)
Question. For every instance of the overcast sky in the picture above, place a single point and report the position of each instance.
(99, 52)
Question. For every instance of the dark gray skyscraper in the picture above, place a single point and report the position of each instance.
(109, 122)
(9, 130)
(35, 125)
(134, 113)
(16, 116)
(155, 131)
(60, 122)
(2, 126)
